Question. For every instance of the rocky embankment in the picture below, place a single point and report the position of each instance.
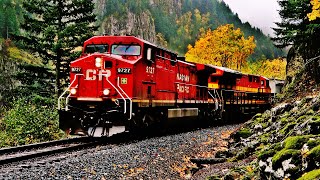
(281, 143)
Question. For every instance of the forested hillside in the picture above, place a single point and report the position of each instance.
(176, 23)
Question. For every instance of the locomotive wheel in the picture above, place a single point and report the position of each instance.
(146, 122)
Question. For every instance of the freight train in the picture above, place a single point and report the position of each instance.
(128, 82)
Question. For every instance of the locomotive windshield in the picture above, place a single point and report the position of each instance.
(120, 49)
(92, 48)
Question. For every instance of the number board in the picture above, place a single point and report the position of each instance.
(124, 70)
(75, 69)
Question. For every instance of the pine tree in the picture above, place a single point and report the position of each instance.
(10, 13)
(295, 29)
(54, 28)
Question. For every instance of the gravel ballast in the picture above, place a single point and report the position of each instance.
(164, 157)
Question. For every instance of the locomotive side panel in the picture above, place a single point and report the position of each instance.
(166, 71)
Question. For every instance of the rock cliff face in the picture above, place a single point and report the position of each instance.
(140, 25)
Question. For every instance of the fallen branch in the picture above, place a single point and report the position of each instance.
(208, 161)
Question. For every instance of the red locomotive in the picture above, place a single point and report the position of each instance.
(127, 81)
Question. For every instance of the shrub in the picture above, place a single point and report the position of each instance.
(31, 120)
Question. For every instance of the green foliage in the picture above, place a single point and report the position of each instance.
(33, 80)
(27, 111)
(10, 17)
(63, 26)
(315, 174)
(296, 29)
(32, 119)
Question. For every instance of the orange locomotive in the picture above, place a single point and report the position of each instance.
(129, 82)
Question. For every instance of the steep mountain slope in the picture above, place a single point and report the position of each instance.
(175, 22)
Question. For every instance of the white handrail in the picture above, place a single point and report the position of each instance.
(210, 94)
(125, 102)
(67, 101)
(61, 96)
(118, 84)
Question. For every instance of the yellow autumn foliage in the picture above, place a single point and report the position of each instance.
(315, 10)
(225, 46)
(275, 68)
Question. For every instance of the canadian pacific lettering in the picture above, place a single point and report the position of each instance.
(183, 77)
(91, 74)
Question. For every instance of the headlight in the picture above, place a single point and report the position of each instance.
(73, 91)
(106, 92)
(98, 62)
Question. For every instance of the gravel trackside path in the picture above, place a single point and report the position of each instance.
(164, 157)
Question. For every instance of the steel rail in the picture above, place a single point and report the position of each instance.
(42, 145)
(25, 152)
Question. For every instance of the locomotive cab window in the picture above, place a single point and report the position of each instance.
(262, 82)
(149, 54)
(126, 50)
(92, 48)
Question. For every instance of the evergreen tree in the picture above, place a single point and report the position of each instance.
(10, 13)
(298, 31)
(54, 28)
(295, 29)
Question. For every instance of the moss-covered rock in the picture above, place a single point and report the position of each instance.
(257, 116)
(287, 128)
(242, 133)
(264, 138)
(301, 118)
(295, 142)
(315, 125)
(313, 158)
(310, 112)
(313, 143)
(315, 174)
(285, 154)
(266, 153)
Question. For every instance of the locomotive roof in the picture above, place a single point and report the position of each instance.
(224, 69)
(133, 37)
(233, 71)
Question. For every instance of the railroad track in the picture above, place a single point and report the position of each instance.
(27, 152)
(20, 153)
